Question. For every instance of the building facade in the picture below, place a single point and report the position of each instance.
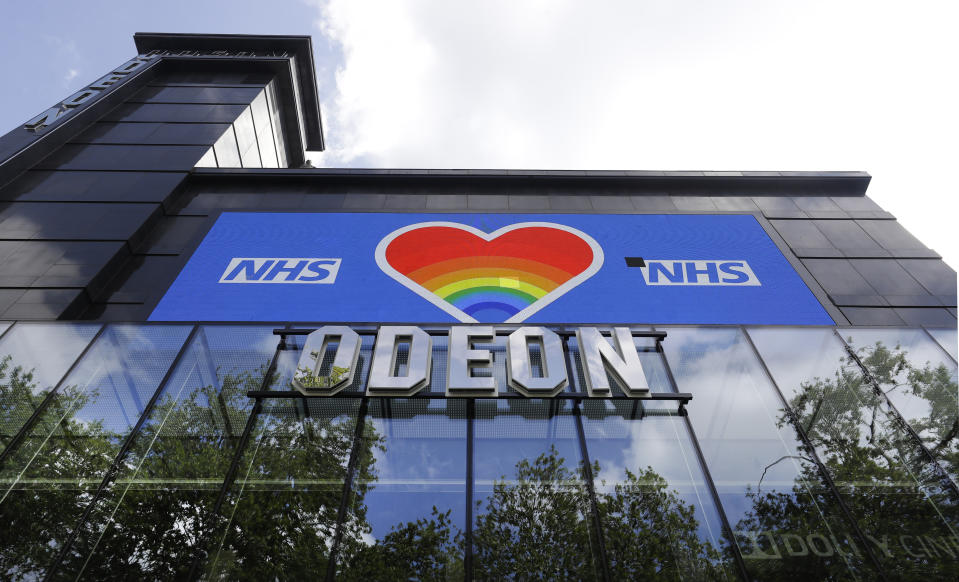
(220, 364)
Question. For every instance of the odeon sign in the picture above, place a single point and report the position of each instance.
(600, 358)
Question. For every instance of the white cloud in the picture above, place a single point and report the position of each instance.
(71, 75)
(742, 85)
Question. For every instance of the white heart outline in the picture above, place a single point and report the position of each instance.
(598, 259)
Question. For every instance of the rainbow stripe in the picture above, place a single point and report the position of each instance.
(489, 280)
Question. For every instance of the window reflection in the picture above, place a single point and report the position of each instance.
(408, 504)
(657, 515)
(33, 359)
(920, 380)
(758, 462)
(286, 497)
(48, 480)
(159, 506)
(531, 515)
(903, 504)
(947, 338)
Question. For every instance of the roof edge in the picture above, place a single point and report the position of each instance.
(300, 46)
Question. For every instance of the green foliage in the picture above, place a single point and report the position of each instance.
(310, 378)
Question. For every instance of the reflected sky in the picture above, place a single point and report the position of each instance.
(419, 463)
(46, 349)
(948, 339)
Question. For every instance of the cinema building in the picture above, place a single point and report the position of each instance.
(217, 363)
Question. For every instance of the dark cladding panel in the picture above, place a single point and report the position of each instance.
(934, 316)
(45, 304)
(214, 95)
(654, 203)
(153, 133)
(55, 263)
(895, 239)
(173, 234)
(860, 207)
(887, 277)
(111, 157)
(186, 113)
(64, 186)
(69, 221)
(848, 237)
(805, 239)
(528, 202)
(778, 207)
(871, 316)
(819, 207)
(839, 278)
(140, 285)
(935, 276)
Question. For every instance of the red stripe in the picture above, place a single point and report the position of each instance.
(428, 245)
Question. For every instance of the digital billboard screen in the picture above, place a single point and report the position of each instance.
(490, 268)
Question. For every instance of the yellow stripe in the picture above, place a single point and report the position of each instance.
(495, 272)
(507, 282)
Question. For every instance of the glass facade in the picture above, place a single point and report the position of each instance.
(135, 451)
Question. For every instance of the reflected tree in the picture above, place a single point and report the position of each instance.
(19, 397)
(903, 503)
(537, 526)
(40, 494)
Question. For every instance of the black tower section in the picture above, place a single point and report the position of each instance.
(81, 191)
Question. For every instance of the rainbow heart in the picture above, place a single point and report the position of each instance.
(506, 275)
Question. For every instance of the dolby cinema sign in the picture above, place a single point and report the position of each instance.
(600, 358)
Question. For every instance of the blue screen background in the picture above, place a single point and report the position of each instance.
(364, 293)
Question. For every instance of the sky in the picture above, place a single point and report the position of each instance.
(626, 85)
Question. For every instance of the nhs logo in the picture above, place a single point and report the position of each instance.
(281, 270)
(711, 272)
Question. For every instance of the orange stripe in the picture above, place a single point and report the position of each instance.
(557, 276)
(476, 273)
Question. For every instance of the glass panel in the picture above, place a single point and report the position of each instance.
(227, 156)
(264, 131)
(948, 339)
(48, 480)
(758, 462)
(904, 504)
(531, 515)
(33, 359)
(158, 508)
(246, 140)
(208, 160)
(657, 516)
(920, 379)
(408, 504)
(281, 511)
